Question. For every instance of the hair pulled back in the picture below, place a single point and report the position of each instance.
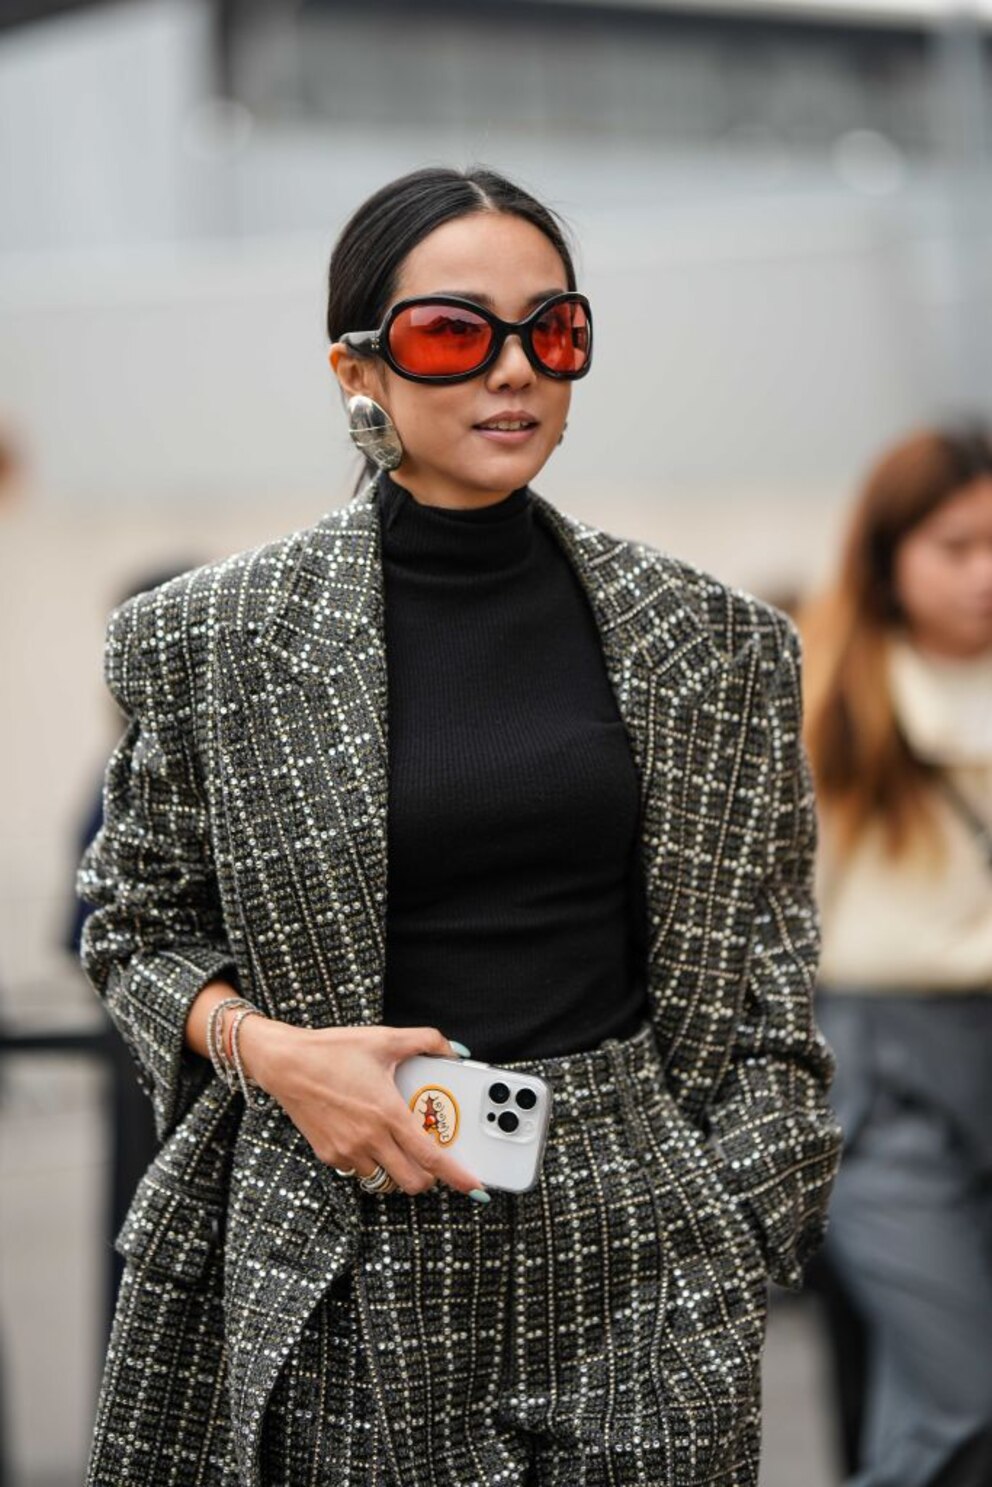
(376, 239)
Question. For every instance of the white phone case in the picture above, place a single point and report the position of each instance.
(467, 1107)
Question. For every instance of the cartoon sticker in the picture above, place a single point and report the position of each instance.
(438, 1109)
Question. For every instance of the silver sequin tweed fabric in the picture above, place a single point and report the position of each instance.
(245, 834)
(603, 1330)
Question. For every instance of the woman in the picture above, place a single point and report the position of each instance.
(899, 708)
(599, 834)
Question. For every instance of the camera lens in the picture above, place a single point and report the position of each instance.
(526, 1098)
(508, 1121)
(499, 1094)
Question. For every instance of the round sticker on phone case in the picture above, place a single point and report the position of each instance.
(438, 1110)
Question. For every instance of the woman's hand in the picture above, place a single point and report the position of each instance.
(336, 1085)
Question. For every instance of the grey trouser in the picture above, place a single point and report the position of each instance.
(910, 1233)
(604, 1328)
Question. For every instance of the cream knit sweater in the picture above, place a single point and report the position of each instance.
(901, 925)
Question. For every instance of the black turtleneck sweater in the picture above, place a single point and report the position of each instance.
(515, 908)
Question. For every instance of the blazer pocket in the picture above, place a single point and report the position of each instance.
(705, 1215)
(170, 1232)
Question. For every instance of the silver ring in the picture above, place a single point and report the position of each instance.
(345, 1171)
(378, 1181)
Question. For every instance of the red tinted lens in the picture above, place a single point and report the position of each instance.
(562, 337)
(439, 340)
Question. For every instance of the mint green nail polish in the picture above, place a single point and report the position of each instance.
(480, 1195)
(460, 1049)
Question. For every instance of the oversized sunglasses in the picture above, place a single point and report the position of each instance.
(441, 338)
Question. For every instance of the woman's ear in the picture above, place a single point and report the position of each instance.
(355, 374)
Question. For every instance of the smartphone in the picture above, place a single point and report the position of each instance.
(495, 1121)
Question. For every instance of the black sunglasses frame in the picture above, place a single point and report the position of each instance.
(376, 342)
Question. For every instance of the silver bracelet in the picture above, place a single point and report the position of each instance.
(244, 1078)
(215, 1049)
(215, 1043)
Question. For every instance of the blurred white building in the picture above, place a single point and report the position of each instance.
(784, 269)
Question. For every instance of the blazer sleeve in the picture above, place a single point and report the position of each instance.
(770, 1119)
(156, 935)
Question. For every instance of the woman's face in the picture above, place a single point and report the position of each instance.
(943, 574)
(506, 264)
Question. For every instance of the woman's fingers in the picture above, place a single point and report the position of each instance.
(408, 1175)
(413, 1160)
(424, 1152)
(455, 1175)
(341, 1081)
(408, 1041)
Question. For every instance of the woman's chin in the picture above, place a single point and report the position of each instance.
(483, 469)
(504, 467)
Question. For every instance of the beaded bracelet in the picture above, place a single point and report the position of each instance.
(223, 1067)
(244, 1078)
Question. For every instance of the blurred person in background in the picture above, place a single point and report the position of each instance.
(12, 469)
(898, 672)
(600, 833)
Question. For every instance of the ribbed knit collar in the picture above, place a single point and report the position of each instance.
(440, 539)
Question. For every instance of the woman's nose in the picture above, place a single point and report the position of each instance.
(511, 368)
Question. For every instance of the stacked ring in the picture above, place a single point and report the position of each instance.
(378, 1181)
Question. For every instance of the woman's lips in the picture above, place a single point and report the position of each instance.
(507, 436)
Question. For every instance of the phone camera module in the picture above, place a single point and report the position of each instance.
(508, 1121)
(499, 1093)
(526, 1098)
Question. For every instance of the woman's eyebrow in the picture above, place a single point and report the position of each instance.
(488, 301)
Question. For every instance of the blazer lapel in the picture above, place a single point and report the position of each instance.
(696, 715)
(302, 759)
(651, 636)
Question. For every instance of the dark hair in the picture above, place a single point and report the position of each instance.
(864, 767)
(374, 242)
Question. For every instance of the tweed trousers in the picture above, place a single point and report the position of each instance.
(603, 1329)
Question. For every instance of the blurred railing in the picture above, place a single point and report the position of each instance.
(130, 1142)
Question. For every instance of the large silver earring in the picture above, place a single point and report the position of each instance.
(374, 432)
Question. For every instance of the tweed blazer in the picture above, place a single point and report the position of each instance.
(245, 837)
